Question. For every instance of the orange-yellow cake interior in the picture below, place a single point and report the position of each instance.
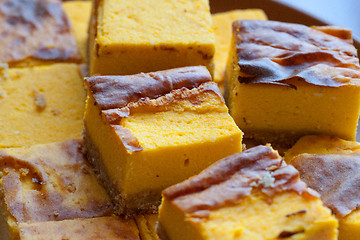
(131, 38)
(41, 104)
(305, 87)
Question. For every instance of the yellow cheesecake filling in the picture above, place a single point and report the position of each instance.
(251, 195)
(41, 104)
(147, 36)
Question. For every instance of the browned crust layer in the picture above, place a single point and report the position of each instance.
(115, 115)
(50, 187)
(145, 202)
(273, 52)
(37, 29)
(229, 180)
(117, 91)
(336, 177)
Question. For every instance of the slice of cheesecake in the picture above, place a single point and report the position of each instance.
(248, 195)
(146, 132)
(147, 35)
(41, 104)
(35, 32)
(287, 80)
(48, 182)
(331, 165)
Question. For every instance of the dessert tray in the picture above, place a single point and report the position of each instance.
(274, 10)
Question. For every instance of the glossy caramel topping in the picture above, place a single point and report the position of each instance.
(35, 29)
(51, 182)
(229, 180)
(117, 91)
(273, 52)
(335, 176)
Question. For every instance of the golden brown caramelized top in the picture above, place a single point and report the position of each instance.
(273, 52)
(37, 29)
(227, 181)
(118, 96)
(112, 92)
(51, 182)
(335, 176)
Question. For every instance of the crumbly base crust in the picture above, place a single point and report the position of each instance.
(128, 206)
(279, 141)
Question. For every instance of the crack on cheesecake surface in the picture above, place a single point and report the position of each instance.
(139, 132)
(228, 181)
(335, 176)
(118, 96)
(274, 52)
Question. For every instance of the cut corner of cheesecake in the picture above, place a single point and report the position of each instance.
(271, 91)
(239, 196)
(39, 33)
(329, 165)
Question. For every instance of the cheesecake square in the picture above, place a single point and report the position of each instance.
(146, 35)
(41, 104)
(110, 228)
(35, 32)
(145, 132)
(48, 182)
(330, 165)
(287, 80)
(248, 195)
(222, 23)
(79, 13)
